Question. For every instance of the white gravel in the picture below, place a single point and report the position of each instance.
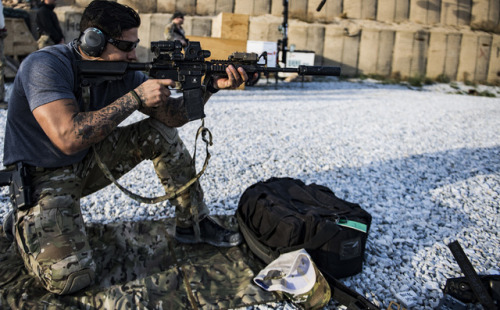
(425, 163)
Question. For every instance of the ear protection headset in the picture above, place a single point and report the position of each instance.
(92, 41)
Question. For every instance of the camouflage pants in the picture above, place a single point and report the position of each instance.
(51, 235)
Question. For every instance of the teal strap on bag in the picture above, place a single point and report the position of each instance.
(352, 224)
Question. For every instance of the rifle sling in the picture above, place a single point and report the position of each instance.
(346, 296)
(152, 200)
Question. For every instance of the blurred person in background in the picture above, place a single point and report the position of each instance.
(174, 30)
(48, 27)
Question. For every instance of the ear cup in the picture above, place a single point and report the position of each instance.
(93, 41)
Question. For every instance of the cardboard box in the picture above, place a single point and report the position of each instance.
(230, 26)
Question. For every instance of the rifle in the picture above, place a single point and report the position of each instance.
(188, 68)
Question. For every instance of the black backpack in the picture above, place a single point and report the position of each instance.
(283, 214)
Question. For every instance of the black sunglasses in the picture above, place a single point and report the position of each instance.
(125, 46)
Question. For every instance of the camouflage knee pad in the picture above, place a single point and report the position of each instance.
(53, 244)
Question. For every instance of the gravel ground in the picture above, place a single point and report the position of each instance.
(424, 162)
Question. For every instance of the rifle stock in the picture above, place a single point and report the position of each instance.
(188, 68)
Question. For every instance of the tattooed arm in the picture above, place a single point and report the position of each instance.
(72, 131)
(173, 112)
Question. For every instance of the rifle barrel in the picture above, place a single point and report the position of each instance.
(301, 70)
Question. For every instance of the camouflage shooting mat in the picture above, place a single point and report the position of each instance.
(140, 266)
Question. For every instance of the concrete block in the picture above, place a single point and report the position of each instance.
(410, 52)
(230, 26)
(224, 6)
(376, 50)
(264, 28)
(393, 10)
(360, 9)
(494, 64)
(143, 50)
(69, 19)
(427, 12)
(141, 6)
(165, 6)
(310, 37)
(262, 7)
(198, 26)
(187, 7)
(341, 48)
(331, 10)
(297, 35)
(456, 12)
(244, 7)
(157, 24)
(83, 3)
(252, 8)
(205, 7)
(277, 8)
(486, 15)
(297, 9)
(475, 54)
(444, 53)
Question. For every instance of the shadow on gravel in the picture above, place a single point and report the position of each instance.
(403, 188)
(410, 177)
(418, 174)
(415, 210)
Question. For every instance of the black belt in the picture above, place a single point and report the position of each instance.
(7, 173)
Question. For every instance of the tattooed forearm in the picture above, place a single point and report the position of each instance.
(92, 127)
(172, 113)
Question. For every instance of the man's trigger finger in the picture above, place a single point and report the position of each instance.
(167, 82)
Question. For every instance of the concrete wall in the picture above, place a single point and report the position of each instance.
(458, 39)
(475, 52)
(444, 53)
(479, 14)
(376, 50)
